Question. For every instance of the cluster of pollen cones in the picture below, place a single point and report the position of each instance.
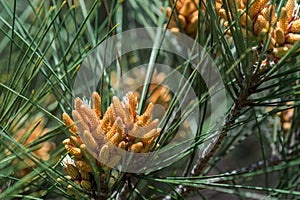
(185, 18)
(260, 19)
(158, 93)
(96, 136)
(284, 118)
(29, 132)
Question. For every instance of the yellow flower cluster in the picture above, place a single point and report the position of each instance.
(283, 118)
(120, 126)
(259, 18)
(158, 93)
(286, 117)
(79, 176)
(185, 18)
(29, 131)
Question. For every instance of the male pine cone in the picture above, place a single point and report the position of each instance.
(120, 126)
(258, 19)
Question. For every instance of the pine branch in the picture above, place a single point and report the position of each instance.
(248, 87)
(262, 164)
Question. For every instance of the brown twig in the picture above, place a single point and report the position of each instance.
(249, 86)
